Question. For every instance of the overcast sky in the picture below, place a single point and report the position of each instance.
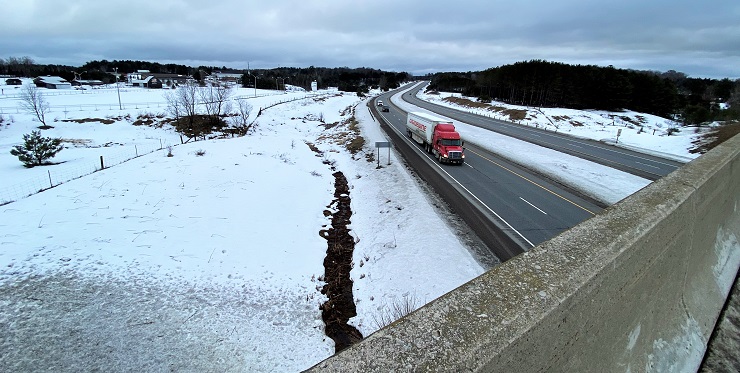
(699, 38)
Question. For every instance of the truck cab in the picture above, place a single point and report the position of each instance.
(447, 145)
(437, 136)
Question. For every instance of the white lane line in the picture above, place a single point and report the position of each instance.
(645, 164)
(575, 146)
(436, 164)
(532, 205)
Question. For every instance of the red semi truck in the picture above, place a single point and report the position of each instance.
(437, 136)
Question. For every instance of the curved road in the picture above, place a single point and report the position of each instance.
(644, 165)
(509, 207)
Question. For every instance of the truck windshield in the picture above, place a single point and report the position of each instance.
(449, 142)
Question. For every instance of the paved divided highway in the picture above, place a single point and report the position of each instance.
(509, 207)
(640, 164)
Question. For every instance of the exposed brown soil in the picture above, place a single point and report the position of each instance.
(337, 266)
(715, 137)
(514, 114)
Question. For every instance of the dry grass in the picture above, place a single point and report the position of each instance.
(90, 120)
(513, 114)
(398, 309)
(78, 142)
(715, 137)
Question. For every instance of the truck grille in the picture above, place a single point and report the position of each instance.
(454, 155)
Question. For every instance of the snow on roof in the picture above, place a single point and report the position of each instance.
(53, 79)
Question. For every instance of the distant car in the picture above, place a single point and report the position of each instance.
(384, 108)
(380, 103)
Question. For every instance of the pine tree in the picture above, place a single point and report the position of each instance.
(36, 150)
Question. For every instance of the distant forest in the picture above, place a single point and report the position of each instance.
(346, 79)
(533, 83)
(551, 84)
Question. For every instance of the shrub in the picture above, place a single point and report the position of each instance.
(36, 150)
(398, 309)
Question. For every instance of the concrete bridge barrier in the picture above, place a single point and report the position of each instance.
(636, 288)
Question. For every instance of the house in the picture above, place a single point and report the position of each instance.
(219, 76)
(149, 82)
(144, 78)
(13, 81)
(52, 82)
(79, 82)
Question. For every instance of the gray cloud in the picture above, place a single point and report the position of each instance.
(701, 39)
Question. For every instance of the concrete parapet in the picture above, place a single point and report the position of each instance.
(637, 288)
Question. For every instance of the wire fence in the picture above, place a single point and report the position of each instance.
(122, 106)
(62, 173)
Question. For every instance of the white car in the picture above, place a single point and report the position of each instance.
(380, 103)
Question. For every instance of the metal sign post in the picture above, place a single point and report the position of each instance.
(383, 144)
(619, 132)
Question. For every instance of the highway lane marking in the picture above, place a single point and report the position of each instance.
(648, 165)
(553, 135)
(538, 209)
(436, 164)
(605, 161)
(533, 183)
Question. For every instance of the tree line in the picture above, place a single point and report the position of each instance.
(346, 79)
(552, 84)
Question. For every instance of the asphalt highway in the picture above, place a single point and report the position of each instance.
(644, 165)
(511, 208)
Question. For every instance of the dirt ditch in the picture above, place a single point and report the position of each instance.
(337, 266)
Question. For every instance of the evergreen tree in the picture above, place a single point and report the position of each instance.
(36, 150)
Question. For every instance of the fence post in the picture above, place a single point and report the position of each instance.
(51, 185)
(102, 166)
(136, 150)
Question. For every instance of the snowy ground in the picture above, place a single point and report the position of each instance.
(206, 262)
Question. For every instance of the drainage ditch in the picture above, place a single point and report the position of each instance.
(340, 306)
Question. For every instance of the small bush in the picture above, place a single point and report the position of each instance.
(200, 152)
(36, 150)
(398, 309)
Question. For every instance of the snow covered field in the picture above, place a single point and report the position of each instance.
(207, 262)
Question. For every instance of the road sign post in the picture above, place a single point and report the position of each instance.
(383, 144)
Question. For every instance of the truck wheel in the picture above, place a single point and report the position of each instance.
(439, 157)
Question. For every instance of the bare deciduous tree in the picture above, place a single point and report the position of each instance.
(33, 102)
(182, 101)
(241, 118)
(216, 100)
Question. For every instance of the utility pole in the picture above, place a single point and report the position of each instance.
(118, 89)
(255, 80)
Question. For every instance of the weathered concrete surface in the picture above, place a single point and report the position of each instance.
(636, 288)
(722, 352)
